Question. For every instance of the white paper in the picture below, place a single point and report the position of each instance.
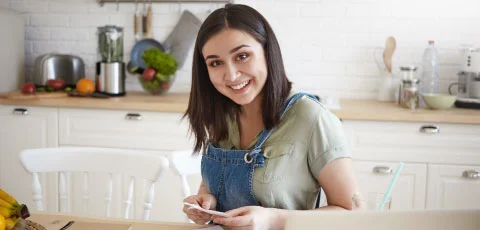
(216, 227)
(205, 210)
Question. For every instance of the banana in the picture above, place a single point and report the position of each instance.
(9, 199)
(2, 223)
(10, 222)
(6, 204)
(7, 212)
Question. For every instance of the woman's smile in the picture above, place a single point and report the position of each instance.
(240, 88)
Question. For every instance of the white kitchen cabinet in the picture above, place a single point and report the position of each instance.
(453, 186)
(22, 128)
(409, 190)
(125, 129)
(442, 148)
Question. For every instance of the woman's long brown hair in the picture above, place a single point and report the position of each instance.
(208, 110)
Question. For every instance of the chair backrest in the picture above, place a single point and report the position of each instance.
(184, 164)
(134, 163)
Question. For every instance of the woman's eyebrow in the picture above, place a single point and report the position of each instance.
(231, 51)
(237, 48)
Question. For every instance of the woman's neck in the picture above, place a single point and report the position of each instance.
(252, 110)
(250, 122)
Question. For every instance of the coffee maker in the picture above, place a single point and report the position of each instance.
(110, 68)
(468, 94)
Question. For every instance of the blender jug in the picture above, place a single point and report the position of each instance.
(110, 68)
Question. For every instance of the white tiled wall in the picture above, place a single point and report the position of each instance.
(327, 44)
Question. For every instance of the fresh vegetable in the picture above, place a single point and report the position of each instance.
(56, 84)
(49, 89)
(163, 63)
(149, 74)
(28, 88)
(68, 89)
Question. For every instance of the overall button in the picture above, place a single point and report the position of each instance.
(248, 159)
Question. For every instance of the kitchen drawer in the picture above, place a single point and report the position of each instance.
(453, 186)
(405, 141)
(123, 129)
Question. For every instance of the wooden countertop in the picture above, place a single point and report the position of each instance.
(171, 102)
(47, 219)
(351, 109)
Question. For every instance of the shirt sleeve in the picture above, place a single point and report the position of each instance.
(327, 142)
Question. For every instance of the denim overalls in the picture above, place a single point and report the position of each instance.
(228, 174)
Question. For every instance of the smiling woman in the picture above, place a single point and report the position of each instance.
(265, 148)
(241, 72)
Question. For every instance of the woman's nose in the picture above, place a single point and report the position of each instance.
(231, 73)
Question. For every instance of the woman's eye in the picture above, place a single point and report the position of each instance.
(242, 56)
(215, 63)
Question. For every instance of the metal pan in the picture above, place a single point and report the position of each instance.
(139, 48)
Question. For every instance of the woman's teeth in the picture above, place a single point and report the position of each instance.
(240, 86)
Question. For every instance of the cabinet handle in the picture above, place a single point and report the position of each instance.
(20, 111)
(382, 170)
(133, 116)
(431, 129)
(471, 174)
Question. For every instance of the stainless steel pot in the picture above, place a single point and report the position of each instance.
(69, 68)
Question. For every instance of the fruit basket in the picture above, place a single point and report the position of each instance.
(160, 73)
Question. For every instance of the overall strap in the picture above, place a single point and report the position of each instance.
(266, 133)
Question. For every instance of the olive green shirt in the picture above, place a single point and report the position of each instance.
(308, 137)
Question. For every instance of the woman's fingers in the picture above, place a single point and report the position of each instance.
(238, 211)
(234, 221)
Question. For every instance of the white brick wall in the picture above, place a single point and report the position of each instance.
(327, 45)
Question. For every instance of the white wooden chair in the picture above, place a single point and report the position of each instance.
(85, 160)
(184, 164)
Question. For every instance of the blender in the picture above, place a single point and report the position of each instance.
(110, 68)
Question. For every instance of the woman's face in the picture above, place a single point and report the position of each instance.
(236, 65)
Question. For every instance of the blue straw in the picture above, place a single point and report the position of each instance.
(392, 183)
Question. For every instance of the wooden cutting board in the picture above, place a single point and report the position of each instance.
(17, 95)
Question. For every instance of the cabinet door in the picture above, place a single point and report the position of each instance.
(409, 190)
(453, 186)
(123, 129)
(23, 128)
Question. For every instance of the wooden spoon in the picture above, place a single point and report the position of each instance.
(149, 22)
(390, 46)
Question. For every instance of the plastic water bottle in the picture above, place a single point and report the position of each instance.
(429, 80)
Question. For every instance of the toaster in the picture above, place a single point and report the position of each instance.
(69, 68)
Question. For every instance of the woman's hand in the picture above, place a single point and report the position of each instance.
(253, 217)
(206, 201)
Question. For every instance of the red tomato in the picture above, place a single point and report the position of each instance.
(28, 88)
(149, 74)
(56, 84)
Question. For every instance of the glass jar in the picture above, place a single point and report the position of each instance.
(110, 44)
(409, 72)
(409, 93)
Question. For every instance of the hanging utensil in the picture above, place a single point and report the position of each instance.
(137, 24)
(390, 46)
(144, 18)
(149, 33)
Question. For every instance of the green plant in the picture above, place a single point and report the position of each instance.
(164, 63)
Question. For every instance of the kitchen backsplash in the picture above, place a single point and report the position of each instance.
(327, 44)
